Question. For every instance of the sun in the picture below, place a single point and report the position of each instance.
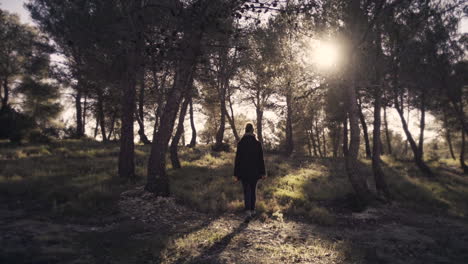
(325, 54)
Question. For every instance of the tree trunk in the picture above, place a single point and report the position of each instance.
(96, 127)
(193, 141)
(222, 122)
(157, 180)
(230, 117)
(141, 113)
(335, 135)
(79, 113)
(324, 143)
(387, 133)
(111, 130)
(179, 132)
(380, 184)
(232, 124)
(317, 135)
(6, 94)
(127, 145)
(422, 125)
(260, 124)
(345, 135)
(448, 136)
(462, 154)
(314, 141)
(309, 145)
(289, 128)
(364, 130)
(101, 117)
(85, 110)
(416, 153)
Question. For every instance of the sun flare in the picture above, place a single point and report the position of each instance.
(325, 54)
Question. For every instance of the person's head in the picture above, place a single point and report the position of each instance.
(249, 128)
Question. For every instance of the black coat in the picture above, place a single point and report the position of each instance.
(249, 164)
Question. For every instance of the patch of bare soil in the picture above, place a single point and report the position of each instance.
(159, 230)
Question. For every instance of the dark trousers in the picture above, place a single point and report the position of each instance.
(250, 189)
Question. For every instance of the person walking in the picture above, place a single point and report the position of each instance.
(249, 167)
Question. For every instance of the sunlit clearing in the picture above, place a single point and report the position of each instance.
(325, 54)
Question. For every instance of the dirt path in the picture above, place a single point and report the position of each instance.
(158, 230)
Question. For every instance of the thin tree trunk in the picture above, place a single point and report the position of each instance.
(309, 145)
(6, 94)
(157, 180)
(379, 176)
(345, 135)
(193, 141)
(422, 126)
(230, 117)
(387, 133)
(111, 130)
(448, 136)
(462, 154)
(101, 117)
(324, 143)
(364, 130)
(96, 127)
(173, 149)
(232, 124)
(416, 153)
(289, 128)
(127, 145)
(314, 142)
(85, 110)
(336, 132)
(141, 113)
(222, 122)
(260, 124)
(317, 135)
(79, 113)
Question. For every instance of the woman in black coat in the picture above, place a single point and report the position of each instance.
(249, 166)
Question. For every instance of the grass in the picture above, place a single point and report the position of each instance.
(78, 178)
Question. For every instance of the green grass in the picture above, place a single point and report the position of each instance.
(78, 178)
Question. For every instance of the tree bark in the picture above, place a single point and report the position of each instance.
(387, 133)
(289, 128)
(324, 144)
(335, 136)
(193, 140)
(141, 114)
(259, 124)
(96, 127)
(222, 121)
(422, 125)
(79, 113)
(173, 149)
(448, 136)
(101, 117)
(364, 130)
(6, 94)
(111, 129)
(380, 184)
(317, 135)
(345, 135)
(230, 117)
(416, 153)
(127, 145)
(309, 144)
(85, 110)
(462, 154)
(157, 180)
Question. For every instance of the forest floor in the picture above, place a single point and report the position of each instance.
(125, 224)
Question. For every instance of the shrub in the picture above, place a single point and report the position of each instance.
(14, 125)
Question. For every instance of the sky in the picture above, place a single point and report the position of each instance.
(16, 6)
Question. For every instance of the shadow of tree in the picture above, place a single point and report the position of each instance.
(218, 247)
